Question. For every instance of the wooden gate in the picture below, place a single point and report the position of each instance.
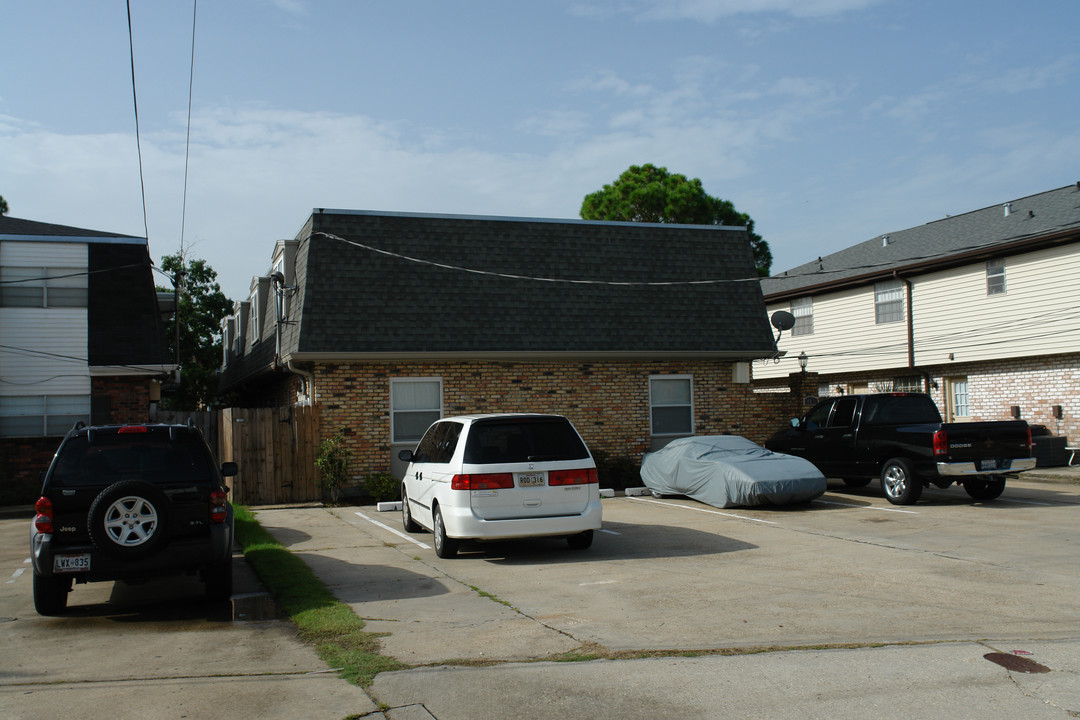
(275, 450)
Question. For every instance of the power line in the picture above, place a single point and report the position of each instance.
(187, 145)
(513, 276)
(135, 102)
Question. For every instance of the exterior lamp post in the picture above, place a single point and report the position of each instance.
(803, 359)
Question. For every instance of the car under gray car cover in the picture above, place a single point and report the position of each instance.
(730, 471)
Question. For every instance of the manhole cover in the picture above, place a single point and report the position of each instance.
(1014, 663)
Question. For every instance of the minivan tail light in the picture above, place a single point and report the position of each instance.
(941, 443)
(219, 507)
(44, 519)
(128, 429)
(581, 476)
(482, 481)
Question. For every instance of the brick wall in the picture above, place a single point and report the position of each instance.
(23, 460)
(608, 401)
(129, 398)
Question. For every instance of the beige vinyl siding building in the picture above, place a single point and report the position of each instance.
(981, 310)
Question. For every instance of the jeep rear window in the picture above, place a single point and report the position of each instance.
(515, 440)
(152, 457)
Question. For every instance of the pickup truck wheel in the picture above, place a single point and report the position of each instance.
(981, 489)
(900, 483)
(857, 482)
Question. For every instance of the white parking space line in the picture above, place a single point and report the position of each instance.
(396, 532)
(15, 575)
(609, 532)
(711, 512)
(866, 507)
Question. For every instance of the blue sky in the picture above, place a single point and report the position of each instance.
(828, 121)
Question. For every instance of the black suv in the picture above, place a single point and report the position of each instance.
(128, 503)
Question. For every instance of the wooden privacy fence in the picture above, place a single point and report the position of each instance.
(275, 450)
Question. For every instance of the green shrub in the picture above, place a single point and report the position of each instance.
(332, 461)
(619, 472)
(383, 487)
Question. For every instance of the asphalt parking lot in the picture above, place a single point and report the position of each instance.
(869, 610)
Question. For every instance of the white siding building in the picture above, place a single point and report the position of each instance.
(981, 310)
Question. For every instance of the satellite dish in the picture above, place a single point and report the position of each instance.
(783, 320)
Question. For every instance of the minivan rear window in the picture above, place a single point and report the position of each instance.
(152, 457)
(514, 440)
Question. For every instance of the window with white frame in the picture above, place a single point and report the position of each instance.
(803, 310)
(995, 276)
(43, 287)
(42, 415)
(253, 303)
(415, 403)
(888, 301)
(671, 407)
(909, 384)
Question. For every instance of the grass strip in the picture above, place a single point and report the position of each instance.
(322, 620)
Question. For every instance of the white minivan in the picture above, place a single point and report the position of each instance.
(495, 477)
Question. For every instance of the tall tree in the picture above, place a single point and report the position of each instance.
(202, 308)
(3, 206)
(647, 193)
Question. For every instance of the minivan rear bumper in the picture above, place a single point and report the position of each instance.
(462, 524)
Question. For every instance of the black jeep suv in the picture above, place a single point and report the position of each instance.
(128, 503)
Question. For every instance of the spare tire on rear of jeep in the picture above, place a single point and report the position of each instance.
(129, 519)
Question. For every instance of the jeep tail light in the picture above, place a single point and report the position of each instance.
(1029, 443)
(44, 520)
(582, 476)
(941, 443)
(219, 506)
(483, 481)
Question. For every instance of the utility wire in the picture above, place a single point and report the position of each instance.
(135, 102)
(187, 145)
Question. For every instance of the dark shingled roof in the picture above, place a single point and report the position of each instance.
(357, 300)
(1048, 217)
(17, 226)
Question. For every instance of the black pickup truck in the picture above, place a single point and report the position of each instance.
(900, 438)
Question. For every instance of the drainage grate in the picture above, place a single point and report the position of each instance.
(1013, 663)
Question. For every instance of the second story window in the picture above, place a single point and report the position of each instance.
(888, 301)
(995, 276)
(803, 310)
(43, 287)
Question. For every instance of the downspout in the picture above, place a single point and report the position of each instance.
(910, 321)
(308, 379)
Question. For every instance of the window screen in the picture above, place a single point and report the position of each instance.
(415, 404)
(888, 302)
(671, 405)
